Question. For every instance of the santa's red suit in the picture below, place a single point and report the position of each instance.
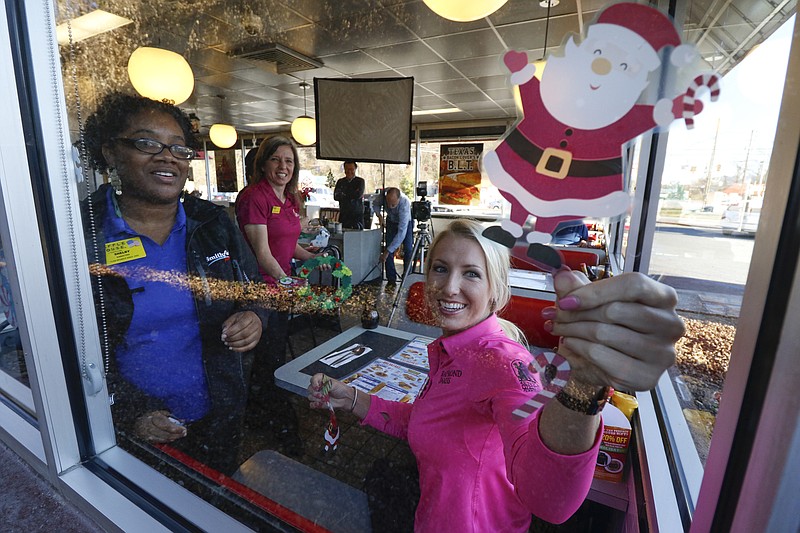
(590, 184)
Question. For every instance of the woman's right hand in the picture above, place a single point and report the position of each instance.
(157, 426)
(341, 395)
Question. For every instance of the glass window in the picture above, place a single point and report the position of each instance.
(14, 381)
(708, 212)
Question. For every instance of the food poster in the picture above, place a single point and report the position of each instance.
(460, 174)
(388, 380)
(225, 167)
(415, 353)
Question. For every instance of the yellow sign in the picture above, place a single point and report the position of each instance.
(124, 250)
(276, 210)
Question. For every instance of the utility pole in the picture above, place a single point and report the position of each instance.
(710, 167)
(746, 183)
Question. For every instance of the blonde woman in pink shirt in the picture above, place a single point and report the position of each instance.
(480, 469)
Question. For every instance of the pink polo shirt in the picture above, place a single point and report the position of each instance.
(258, 204)
(479, 468)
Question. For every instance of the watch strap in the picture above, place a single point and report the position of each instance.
(588, 400)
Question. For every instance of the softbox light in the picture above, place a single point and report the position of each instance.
(365, 120)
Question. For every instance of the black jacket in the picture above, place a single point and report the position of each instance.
(209, 232)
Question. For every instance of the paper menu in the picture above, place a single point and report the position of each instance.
(414, 353)
(388, 380)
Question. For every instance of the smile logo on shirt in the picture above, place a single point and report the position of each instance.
(526, 380)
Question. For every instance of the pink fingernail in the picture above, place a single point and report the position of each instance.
(549, 313)
(569, 303)
(548, 326)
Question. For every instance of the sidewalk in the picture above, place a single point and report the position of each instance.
(30, 503)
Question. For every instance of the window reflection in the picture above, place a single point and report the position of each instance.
(12, 361)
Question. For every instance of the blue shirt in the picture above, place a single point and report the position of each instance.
(162, 351)
(399, 214)
(570, 233)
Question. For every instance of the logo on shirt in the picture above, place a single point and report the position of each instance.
(447, 375)
(224, 255)
(526, 380)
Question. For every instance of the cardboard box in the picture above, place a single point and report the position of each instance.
(614, 447)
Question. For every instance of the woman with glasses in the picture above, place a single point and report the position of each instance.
(170, 272)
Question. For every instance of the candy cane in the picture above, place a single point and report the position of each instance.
(550, 386)
(704, 80)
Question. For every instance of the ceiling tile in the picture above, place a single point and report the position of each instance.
(428, 73)
(351, 63)
(450, 86)
(481, 66)
(405, 54)
(476, 43)
(492, 82)
(229, 82)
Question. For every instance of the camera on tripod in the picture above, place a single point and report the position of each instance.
(421, 209)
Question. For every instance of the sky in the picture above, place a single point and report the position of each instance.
(748, 105)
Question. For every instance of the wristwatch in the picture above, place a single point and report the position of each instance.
(584, 398)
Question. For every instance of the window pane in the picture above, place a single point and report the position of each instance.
(709, 207)
(14, 382)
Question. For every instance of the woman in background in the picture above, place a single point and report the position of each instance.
(268, 213)
(480, 469)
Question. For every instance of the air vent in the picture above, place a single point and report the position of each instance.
(286, 59)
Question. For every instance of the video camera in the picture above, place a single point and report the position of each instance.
(421, 209)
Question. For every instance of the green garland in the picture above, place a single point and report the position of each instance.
(338, 270)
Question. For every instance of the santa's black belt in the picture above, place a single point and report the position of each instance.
(557, 163)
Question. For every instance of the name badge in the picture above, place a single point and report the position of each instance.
(276, 210)
(124, 250)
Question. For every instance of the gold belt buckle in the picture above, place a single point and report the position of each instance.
(563, 155)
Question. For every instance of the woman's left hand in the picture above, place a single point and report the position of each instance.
(618, 331)
(242, 331)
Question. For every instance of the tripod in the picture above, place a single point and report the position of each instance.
(422, 240)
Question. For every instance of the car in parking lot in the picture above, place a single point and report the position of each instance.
(741, 218)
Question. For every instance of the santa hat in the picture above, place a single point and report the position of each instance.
(652, 26)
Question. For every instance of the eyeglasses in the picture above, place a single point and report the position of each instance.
(153, 147)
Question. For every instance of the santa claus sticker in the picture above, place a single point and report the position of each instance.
(562, 161)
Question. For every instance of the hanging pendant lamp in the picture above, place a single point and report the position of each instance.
(161, 75)
(464, 10)
(304, 128)
(222, 135)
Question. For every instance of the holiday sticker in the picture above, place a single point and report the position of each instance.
(562, 160)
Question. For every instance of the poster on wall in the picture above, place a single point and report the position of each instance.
(225, 165)
(460, 174)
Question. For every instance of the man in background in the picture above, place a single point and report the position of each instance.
(399, 229)
(348, 193)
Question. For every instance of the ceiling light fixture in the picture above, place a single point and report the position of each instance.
(161, 75)
(436, 111)
(304, 128)
(267, 124)
(464, 10)
(89, 25)
(222, 135)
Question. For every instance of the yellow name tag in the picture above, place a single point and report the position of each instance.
(276, 210)
(124, 250)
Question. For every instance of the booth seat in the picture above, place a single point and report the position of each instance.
(572, 256)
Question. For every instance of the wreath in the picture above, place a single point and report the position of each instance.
(323, 299)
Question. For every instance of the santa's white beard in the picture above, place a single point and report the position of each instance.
(567, 94)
